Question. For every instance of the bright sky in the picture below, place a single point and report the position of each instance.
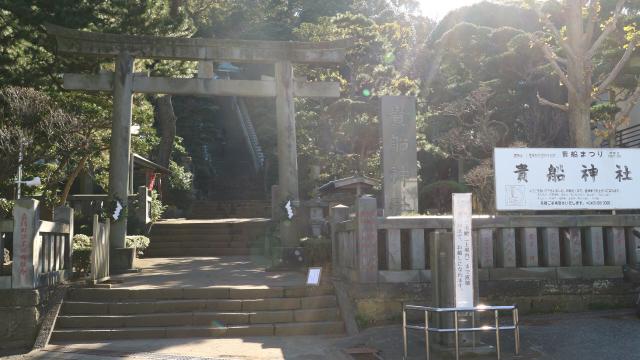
(437, 9)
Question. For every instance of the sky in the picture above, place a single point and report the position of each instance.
(437, 9)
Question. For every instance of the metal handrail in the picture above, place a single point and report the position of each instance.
(627, 138)
(457, 330)
(249, 132)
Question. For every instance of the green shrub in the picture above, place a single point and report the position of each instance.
(81, 258)
(157, 208)
(317, 250)
(81, 241)
(139, 242)
(437, 196)
(6, 208)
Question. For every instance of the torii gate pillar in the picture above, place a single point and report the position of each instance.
(120, 144)
(287, 151)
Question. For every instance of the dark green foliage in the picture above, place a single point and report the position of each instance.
(317, 250)
(436, 197)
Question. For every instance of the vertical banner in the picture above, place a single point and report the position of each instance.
(399, 154)
(463, 250)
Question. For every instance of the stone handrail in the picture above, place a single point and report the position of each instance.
(506, 246)
(41, 249)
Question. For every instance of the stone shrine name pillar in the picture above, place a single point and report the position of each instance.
(399, 155)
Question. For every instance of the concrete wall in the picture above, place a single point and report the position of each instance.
(20, 313)
(382, 303)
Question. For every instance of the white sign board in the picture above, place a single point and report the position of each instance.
(313, 277)
(463, 250)
(567, 178)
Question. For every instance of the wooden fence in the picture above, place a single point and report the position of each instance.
(99, 251)
(42, 251)
(368, 248)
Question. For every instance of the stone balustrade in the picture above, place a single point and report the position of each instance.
(41, 253)
(372, 249)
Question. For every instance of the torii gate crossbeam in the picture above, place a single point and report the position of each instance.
(123, 83)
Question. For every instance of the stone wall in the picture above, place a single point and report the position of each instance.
(20, 313)
(381, 303)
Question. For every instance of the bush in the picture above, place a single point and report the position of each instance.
(157, 208)
(81, 241)
(437, 196)
(139, 242)
(317, 250)
(6, 208)
(81, 258)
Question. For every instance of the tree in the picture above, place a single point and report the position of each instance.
(572, 49)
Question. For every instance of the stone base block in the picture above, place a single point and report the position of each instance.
(121, 260)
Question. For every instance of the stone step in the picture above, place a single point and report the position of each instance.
(255, 294)
(280, 329)
(198, 244)
(171, 237)
(195, 319)
(100, 307)
(197, 252)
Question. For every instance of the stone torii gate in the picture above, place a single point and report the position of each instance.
(123, 83)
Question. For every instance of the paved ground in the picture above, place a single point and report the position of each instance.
(583, 336)
(231, 271)
(213, 221)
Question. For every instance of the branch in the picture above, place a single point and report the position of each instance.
(552, 58)
(633, 100)
(608, 29)
(544, 102)
(631, 47)
(592, 19)
(554, 30)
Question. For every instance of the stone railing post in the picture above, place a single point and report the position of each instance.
(143, 212)
(337, 214)
(572, 246)
(506, 248)
(633, 241)
(616, 246)
(550, 247)
(64, 214)
(529, 247)
(594, 246)
(485, 248)
(418, 260)
(367, 239)
(26, 244)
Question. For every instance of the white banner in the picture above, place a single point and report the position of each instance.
(463, 250)
(567, 178)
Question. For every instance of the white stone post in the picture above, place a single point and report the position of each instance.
(26, 244)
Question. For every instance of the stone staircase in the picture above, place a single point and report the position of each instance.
(223, 209)
(176, 238)
(90, 314)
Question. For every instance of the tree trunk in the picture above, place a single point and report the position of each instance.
(167, 123)
(579, 121)
(579, 75)
(72, 178)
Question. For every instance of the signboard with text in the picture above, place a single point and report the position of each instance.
(463, 250)
(567, 178)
